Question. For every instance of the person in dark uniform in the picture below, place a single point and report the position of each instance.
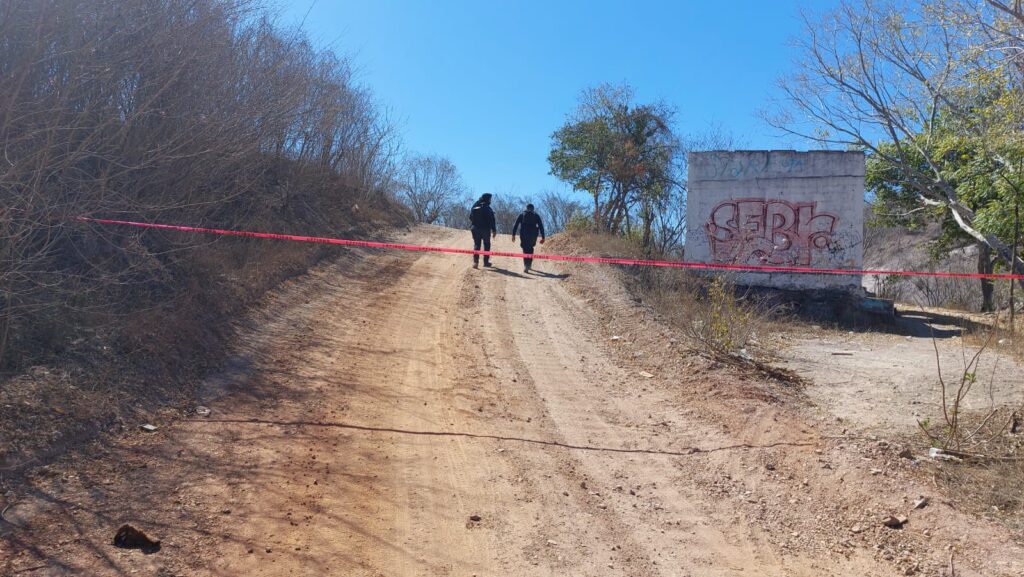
(483, 226)
(529, 227)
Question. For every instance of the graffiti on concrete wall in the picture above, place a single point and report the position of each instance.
(769, 232)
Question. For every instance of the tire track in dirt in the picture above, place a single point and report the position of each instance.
(635, 521)
(374, 425)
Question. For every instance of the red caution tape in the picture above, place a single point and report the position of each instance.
(557, 257)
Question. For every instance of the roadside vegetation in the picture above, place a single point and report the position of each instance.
(201, 113)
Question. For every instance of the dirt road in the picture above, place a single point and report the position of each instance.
(406, 415)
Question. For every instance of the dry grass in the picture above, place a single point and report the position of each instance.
(123, 367)
(994, 331)
(983, 468)
(719, 320)
(989, 479)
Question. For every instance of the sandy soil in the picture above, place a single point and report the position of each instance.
(879, 381)
(404, 415)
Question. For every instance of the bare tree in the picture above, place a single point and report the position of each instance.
(199, 112)
(558, 209)
(507, 208)
(888, 77)
(455, 214)
(429, 185)
(670, 216)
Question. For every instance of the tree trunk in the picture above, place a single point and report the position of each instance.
(1014, 269)
(964, 218)
(648, 224)
(987, 285)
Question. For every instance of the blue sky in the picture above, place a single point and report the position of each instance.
(486, 82)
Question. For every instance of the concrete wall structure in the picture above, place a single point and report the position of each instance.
(778, 208)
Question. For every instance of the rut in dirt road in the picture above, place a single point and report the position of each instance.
(408, 415)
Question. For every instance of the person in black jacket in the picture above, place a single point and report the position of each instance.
(483, 226)
(529, 226)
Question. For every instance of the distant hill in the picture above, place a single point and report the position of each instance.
(900, 248)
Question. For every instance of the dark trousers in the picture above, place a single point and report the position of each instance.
(527, 244)
(481, 237)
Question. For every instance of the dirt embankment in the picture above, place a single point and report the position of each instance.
(109, 370)
(410, 415)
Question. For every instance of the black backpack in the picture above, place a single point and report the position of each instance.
(478, 216)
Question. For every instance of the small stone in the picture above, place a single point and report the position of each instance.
(552, 543)
(202, 411)
(894, 521)
(646, 375)
(475, 518)
(876, 471)
(148, 428)
(921, 503)
(856, 529)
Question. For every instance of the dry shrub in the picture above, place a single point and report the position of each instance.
(718, 318)
(198, 112)
(983, 464)
(951, 433)
(725, 324)
(990, 479)
(201, 112)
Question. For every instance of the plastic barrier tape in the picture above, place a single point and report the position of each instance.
(555, 257)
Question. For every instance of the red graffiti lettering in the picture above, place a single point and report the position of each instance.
(770, 232)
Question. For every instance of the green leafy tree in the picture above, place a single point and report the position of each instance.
(983, 182)
(624, 155)
(927, 90)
